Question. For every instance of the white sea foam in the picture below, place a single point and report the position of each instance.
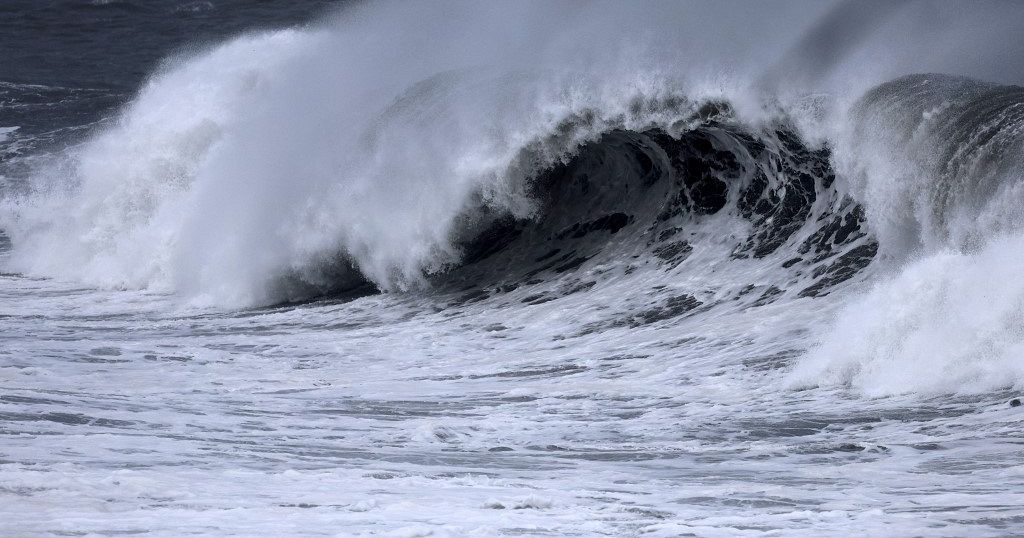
(950, 322)
(5, 133)
(587, 402)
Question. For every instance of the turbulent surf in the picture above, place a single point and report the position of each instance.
(330, 279)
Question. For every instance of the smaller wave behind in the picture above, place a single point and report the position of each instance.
(938, 162)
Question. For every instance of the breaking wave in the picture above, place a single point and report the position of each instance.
(271, 169)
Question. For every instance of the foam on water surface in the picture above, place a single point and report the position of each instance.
(503, 269)
(472, 420)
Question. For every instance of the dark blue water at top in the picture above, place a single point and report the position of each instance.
(71, 62)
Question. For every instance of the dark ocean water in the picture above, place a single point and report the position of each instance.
(68, 63)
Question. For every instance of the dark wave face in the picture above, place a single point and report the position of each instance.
(630, 199)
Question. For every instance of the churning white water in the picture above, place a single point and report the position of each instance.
(530, 269)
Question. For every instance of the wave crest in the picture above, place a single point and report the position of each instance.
(218, 181)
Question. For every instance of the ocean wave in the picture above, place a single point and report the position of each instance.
(258, 172)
